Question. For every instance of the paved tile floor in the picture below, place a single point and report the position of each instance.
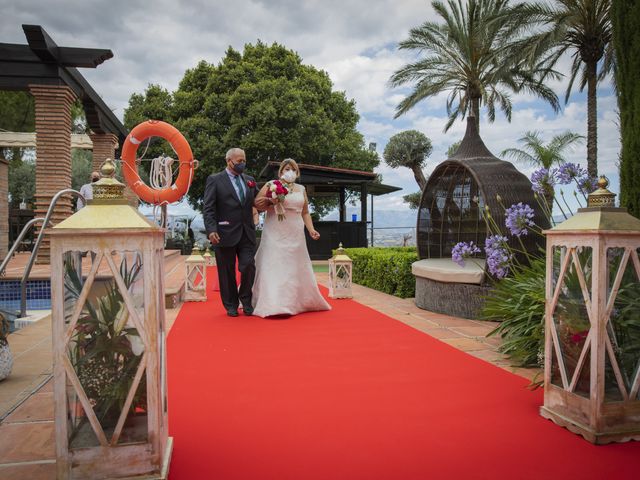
(27, 431)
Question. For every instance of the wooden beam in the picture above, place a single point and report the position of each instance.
(43, 46)
(41, 43)
(83, 57)
(28, 139)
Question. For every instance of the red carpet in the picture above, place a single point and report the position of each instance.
(353, 394)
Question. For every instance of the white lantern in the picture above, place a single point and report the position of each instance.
(592, 322)
(107, 296)
(209, 259)
(340, 266)
(196, 278)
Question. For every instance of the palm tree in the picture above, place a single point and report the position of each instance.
(538, 154)
(476, 55)
(583, 29)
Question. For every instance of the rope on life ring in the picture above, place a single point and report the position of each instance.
(140, 133)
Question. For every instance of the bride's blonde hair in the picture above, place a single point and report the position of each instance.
(292, 163)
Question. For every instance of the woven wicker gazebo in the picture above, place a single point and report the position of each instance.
(451, 206)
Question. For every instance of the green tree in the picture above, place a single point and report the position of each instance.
(18, 115)
(476, 55)
(22, 182)
(625, 16)
(539, 154)
(413, 199)
(409, 149)
(583, 29)
(264, 100)
(81, 163)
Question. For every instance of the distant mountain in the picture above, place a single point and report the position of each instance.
(383, 218)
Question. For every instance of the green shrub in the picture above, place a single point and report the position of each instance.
(518, 302)
(385, 269)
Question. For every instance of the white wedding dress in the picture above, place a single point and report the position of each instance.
(285, 283)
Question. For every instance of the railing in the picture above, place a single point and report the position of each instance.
(16, 244)
(36, 247)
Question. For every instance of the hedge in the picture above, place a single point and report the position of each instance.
(387, 269)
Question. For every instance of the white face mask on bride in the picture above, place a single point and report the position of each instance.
(289, 176)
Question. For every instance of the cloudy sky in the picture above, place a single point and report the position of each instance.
(355, 41)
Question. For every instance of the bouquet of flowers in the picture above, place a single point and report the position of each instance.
(276, 189)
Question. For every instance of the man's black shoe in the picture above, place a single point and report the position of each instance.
(247, 310)
(232, 313)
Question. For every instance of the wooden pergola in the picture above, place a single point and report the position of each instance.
(321, 181)
(50, 73)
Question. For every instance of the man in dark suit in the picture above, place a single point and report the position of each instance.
(228, 220)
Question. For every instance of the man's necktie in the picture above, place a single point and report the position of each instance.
(240, 190)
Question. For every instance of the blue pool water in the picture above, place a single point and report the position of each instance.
(38, 295)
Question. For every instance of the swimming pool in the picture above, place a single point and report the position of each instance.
(38, 296)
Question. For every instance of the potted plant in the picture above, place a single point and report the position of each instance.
(6, 357)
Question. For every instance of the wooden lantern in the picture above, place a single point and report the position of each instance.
(340, 266)
(592, 327)
(109, 352)
(196, 281)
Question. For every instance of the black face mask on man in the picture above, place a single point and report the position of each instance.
(239, 167)
(94, 180)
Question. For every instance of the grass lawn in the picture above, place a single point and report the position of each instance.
(321, 268)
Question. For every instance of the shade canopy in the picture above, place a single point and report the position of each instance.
(327, 181)
(43, 62)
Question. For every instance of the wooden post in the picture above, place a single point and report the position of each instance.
(363, 203)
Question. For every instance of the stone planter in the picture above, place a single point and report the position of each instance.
(6, 361)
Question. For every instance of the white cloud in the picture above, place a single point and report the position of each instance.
(353, 41)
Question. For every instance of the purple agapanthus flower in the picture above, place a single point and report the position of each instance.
(498, 255)
(587, 184)
(543, 180)
(463, 250)
(519, 218)
(568, 172)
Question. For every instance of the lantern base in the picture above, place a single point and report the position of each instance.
(166, 462)
(589, 434)
(340, 295)
(194, 298)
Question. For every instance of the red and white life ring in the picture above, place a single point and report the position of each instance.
(139, 134)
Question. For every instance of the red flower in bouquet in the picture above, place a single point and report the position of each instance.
(276, 189)
(251, 184)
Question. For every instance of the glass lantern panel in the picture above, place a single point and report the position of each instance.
(105, 347)
(624, 321)
(196, 276)
(571, 319)
(342, 276)
(76, 267)
(612, 392)
(556, 378)
(80, 432)
(559, 254)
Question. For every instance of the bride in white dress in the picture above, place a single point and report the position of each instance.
(285, 283)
